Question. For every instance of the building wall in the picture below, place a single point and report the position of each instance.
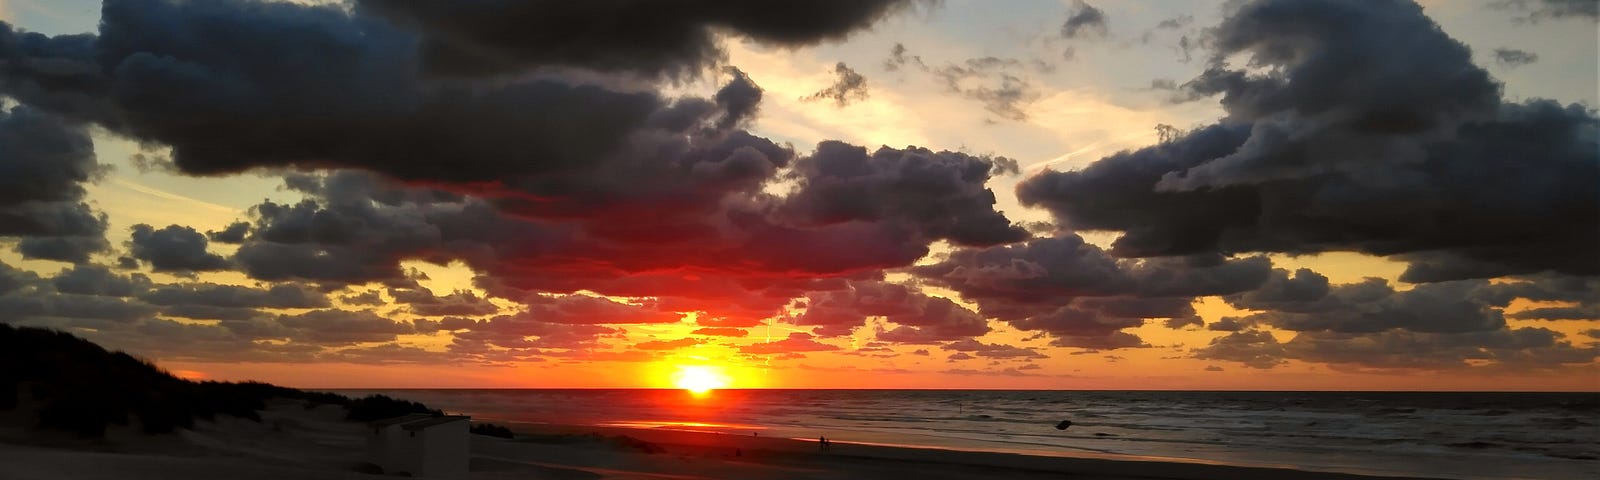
(446, 450)
(436, 452)
(383, 446)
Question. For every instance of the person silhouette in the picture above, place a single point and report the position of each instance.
(822, 443)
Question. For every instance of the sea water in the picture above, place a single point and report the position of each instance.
(1446, 435)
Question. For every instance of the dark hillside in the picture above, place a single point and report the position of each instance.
(79, 387)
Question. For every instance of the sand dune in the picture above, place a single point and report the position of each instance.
(293, 442)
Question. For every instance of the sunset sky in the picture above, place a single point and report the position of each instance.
(1273, 194)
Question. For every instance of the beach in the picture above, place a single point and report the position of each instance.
(293, 441)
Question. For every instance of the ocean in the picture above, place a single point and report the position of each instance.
(1547, 436)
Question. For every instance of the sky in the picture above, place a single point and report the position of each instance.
(1239, 195)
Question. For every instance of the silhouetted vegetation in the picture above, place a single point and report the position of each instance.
(493, 430)
(379, 407)
(79, 387)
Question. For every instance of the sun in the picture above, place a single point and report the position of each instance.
(699, 380)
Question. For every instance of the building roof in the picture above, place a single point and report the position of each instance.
(398, 420)
(432, 422)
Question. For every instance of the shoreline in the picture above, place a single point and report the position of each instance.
(701, 443)
(294, 441)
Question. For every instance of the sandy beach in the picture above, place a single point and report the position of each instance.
(295, 442)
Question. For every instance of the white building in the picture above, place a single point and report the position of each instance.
(423, 446)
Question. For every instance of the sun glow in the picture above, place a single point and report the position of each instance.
(699, 380)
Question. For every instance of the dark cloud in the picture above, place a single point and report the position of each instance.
(13, 279)
(44, 162)
(992, 350)
(208, 312)
(993, 81)
(643, 37)
(423, 302)
(1345, 149)
(1085, 21)
(549, 181)
(938, 319)
(74, 248)
(233, 234)
(1001, 84)
(1519, 349)
(917, 317)
(43, 159)
(525, 330)
(739, 99)
(1253, 348)
(342, 327)
(175, 248)
(1177, 22)
(1535, 11)
(1050, 270)
(62, 310)
(1580, 312)
(847, 86)
(1083, 296)
(369, 298)
(389, 354)
(1226, 324)
(587, 310)
(87, 279)
(234, 296)
(941, 195)
(1374, 306)
(899, 59)
(164, 72)
(1512, 58)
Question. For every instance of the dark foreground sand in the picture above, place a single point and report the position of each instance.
(296, 443)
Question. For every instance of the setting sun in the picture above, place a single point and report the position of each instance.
(699, 379)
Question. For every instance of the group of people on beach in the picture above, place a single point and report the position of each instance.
(822, 443)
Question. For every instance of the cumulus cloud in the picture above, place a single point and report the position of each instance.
(1389, 156)
(233, 234)
(44, 161)
(89, 279)
(555, 181)
(918, 317)
(1081, 294)
(235, 296)
(1305, 302)
(643, 37)
(423, 302)
(1529, 348)
(159, 71)
(175, 248)
(342, 327)
(992, 350)
(938, 195)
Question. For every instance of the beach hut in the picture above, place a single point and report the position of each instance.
(425, 446)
